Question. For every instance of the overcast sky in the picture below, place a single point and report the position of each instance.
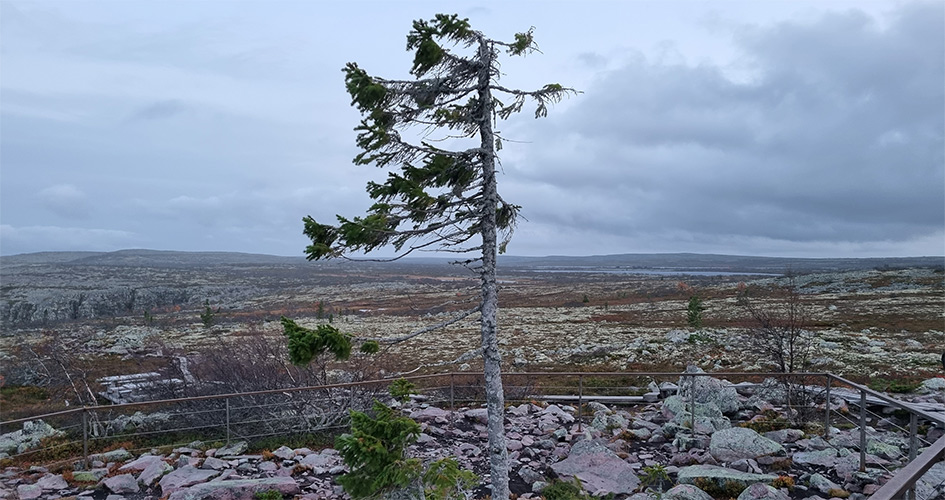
(738, 127)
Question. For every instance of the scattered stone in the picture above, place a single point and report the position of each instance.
(761, 491)
(599, 469)
(28, 491)
(52, 482)
(236, 489)
(123, 483)
(685, 492)
(28, 438)
(732, 444)
(822, 484)
(184, 477)
(721, 475)
(284, 452)
(89, 476)
(154, 471)
(230, 450)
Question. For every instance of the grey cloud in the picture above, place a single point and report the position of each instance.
(159, 110)
(836, 136)
(65, 200)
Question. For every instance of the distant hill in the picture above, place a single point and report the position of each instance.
(660, 261)
(723, 263)
(148, 258)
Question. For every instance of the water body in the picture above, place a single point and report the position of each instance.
(652, 272)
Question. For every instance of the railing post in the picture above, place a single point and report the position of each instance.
(85, 437)
(692, 405)
(580, 400)
(227, 421)
(827, 411)
(452, 392)
(862, 430)
(913, 447)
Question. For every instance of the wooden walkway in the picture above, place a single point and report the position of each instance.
(931, 411)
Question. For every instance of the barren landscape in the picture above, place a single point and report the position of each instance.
(134, 311)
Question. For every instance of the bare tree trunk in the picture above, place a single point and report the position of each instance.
(492, 369)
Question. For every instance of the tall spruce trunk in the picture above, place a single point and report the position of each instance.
(492, 362)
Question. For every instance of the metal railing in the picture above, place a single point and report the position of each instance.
(323, 409)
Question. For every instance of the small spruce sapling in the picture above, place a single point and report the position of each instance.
(694, 312)
(401, 389)
(375, 453)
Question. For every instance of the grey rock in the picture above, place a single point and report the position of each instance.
(600, 470)
(123, 483)
(140, 463)
(822, 484)
(154, 471)
(119, 455)
(184, 477)
(761, 491)
(605, 421)
(52, 482)
(27, 438)
(709, 390)
(284, 452)
(233, 449)
(428, 414)
(728, 445)
(685, 492)
(320, 460)
(236, 489)
(529, 475)
(785, 435)
(28, 491)
(267, 466)
(480, 415)
(214, 463)
(720, 475)
(90, 476)
(936, 384)
(826, 458)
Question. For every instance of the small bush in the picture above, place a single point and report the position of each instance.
(896, 386)
(728, 489)
(770, 421)
(268, 495)
(783, 482)
(564, 490)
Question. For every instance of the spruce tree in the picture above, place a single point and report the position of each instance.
(436, 198)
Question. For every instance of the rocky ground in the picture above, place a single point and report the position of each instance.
(616, 450)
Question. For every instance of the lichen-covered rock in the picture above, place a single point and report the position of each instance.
(599, 469)
(826, 458)
(237, 448)
(685, 492)
(89, 476)
(720, 475)
(936, 384)
(728, 445)
(236, 489)
(154, 471)
(52, 482)
(27, 438)
(761, 491)
(119, 455)
(184, 477)
(706, 389)
(822, 484)
(123, 483)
